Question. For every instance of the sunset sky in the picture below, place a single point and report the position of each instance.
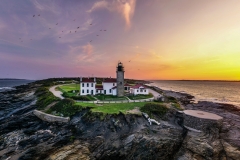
(155, 39)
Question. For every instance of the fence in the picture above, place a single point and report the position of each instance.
(124, 101)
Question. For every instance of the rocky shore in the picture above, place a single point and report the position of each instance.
(24, 136)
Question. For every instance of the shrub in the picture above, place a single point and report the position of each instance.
(154, 108)
(45, 97)
(172, 99)
(66, 107)
(81, 98)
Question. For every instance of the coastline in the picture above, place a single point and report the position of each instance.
(197, 97)
(129, 134)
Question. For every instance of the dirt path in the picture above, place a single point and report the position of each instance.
(155, 94)
(55, 92)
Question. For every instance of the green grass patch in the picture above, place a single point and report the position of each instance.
(154, 108)
(68, 92)
(66, 107)
(45, 97)
(112, 108)
(103, 97)
(172, 99)
(177, 106)
(140, 96)
(69, 87)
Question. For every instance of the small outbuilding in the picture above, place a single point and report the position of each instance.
(139, 89)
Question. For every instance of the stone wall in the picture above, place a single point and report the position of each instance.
(50, 118)
(200, 124)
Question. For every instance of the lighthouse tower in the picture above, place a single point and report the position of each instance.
(120, 79)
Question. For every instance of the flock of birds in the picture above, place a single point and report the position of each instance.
(102, 30)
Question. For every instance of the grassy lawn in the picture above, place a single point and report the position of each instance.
(112, 108)
(135, 97)
(103, 97)
(69, 87)
(67, 92)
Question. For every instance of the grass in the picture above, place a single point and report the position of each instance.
(66, 107)
(68, 92)
(177, 106)
(140, 96)
(103, 97)
(112, 108)
(69, 87)
(154, 108)
(44, 98)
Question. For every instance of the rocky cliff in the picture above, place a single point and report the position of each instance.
(86, 136)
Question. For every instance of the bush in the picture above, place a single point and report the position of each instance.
(172, 99)
(81, 98)
(66, 107)
(45, 97)
(154, 108)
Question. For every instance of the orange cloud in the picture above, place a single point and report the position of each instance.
(125, 7)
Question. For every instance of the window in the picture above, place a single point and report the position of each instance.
(87, 85)
(83, 91)
(145, 90)
(137, 90)
(92, 84)
(83, 85)
(110, 90)
(87, 91)
(113, 84)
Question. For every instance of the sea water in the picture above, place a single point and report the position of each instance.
(215, 91)
(8, 84)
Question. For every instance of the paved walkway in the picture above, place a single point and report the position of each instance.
(155, 94)
(55, 92)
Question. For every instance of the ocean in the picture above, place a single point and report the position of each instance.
(8, 84)
(215, 91)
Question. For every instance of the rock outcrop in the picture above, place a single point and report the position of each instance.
(86, 136)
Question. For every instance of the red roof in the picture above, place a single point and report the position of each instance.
(127, 85)
(99, 87)
(110, 80)
(87, 80)
(137, 86)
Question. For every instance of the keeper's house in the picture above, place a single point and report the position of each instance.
(138, 89)
(87, 86)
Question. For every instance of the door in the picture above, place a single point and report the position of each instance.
(91, 92)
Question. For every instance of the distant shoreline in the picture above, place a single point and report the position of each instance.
(202, 80)
(15, 79)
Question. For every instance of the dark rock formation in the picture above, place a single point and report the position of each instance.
(24, 136)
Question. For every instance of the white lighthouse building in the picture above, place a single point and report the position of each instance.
(110, 86)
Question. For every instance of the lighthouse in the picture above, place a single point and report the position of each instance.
(120, 79)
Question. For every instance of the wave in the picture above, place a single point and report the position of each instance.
(2, 89)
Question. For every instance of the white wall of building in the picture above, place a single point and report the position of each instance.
(87, 88)
(140, 90)
(107, 87)
(114, 91)
(99, 91)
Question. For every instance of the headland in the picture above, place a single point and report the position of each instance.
(109, 131)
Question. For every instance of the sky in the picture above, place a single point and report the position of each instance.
(154, 39)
